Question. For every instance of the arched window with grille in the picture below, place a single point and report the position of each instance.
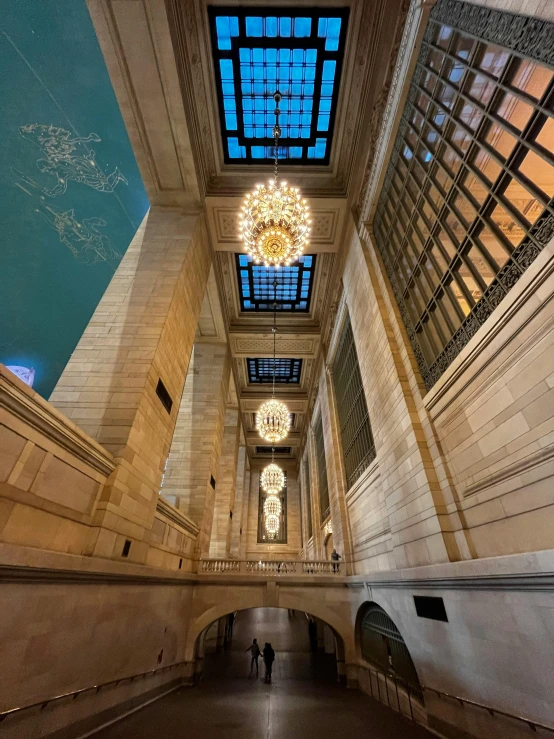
(321, 471)
(382, 645)
(358, 446)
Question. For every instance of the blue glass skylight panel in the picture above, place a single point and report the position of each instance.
(301, 57)
(294, 285)
(286, 370)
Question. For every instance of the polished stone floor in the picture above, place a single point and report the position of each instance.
(303, 701)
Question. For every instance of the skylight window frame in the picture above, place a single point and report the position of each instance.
(313, 41)
(282, 303)
(263, 375)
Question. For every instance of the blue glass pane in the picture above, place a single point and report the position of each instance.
(320, 146)
(234, 25)
(322, 27)
(333, 34)
(323, 123)
(223, 32)
(302, 27)
(285, 27)
(231, 121)
(258, 152)
(226, 67)
(271, 27)
(254, 26)
(236, 151)
(329, 67)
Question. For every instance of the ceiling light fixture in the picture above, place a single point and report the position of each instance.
(273, 416)
(272, 479)
(275, 220)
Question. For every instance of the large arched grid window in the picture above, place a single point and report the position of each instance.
(358, 447)
(321, 471)
(467, 203)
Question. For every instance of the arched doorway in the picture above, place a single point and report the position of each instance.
(381, 644)
(306, 647)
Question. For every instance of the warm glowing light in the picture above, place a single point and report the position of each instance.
(272, 506)
(275, 224)
(273, 420)
(272, 479)
(272, 524)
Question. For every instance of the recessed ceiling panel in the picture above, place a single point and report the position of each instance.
(287, 371)
(270, 450)
(299, 53)
(293, 291)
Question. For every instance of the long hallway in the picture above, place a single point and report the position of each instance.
(304, 701)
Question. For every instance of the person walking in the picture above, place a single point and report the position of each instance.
(255, 652)
(335, 556)
(269, 659)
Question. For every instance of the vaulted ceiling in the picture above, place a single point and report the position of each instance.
(195, 82)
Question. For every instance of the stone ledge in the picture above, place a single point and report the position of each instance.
(26, 405)
(168, 511)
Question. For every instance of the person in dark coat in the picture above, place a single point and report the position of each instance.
(255, 652)
(269, 659)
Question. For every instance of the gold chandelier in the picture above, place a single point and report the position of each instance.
(275, 220)
(273, 420)
(273, 416)
(272, 479)
(272, 506)
(272, 525)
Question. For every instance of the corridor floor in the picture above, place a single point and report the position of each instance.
(228, 704)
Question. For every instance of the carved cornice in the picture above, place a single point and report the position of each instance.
(23, 403)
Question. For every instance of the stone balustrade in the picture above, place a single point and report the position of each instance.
(268, 567)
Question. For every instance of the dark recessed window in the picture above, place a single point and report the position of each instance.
(164, 396)
(294, 285)
(324, 508)
(286, 370)
(126, 548)
(269, 449)
(212, 481)
(300, 54)
(430, 607)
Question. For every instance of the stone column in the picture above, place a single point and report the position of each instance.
(140, 336)
(314, 497)
(220, 543)
(335, 471)
(240, 497)
(196, 447)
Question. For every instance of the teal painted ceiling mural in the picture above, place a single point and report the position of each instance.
(72, 196)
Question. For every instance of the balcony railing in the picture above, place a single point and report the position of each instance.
(268, 567)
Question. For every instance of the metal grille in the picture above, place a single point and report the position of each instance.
(281, 537)
(358, 447)
(467, 202)
(321, 471)
(308, 500)
(382, 645)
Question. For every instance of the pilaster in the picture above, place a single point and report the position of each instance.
(138, 343)
(220, 542)
(196, 446)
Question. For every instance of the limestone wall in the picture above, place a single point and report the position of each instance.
(79, 623)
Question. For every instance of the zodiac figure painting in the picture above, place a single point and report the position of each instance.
(83, 239)
(66, 158)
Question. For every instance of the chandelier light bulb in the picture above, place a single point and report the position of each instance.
(272, 506)
(272, 478)
(272, 524)
(273, 420)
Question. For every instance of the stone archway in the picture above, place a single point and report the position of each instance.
(212, 602)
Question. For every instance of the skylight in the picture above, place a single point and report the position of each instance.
(301, 56)
(286, 370)
(294, 285)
